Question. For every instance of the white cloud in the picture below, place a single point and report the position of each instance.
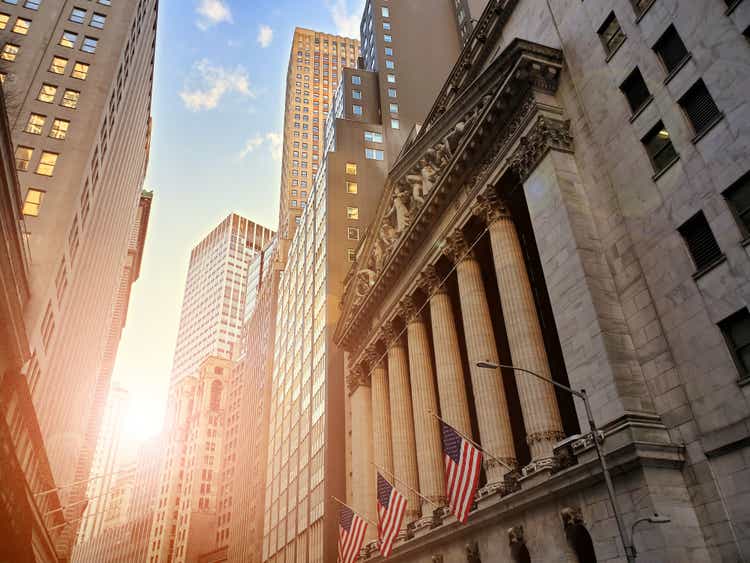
(265, 36)
(346, 21)
(212, 12)
(210, 83)
(273, 140)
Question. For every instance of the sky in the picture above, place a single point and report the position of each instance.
(216, 146)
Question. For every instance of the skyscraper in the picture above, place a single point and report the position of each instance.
(80, 80)
(213, 305)
(315, 64)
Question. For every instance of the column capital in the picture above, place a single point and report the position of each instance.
(431, 281)
(546, 134)
(373, 357)
(490, 208)
(357, 377)
(409, 309)
(391, 334)
(457, 247)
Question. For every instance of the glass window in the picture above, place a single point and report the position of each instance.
(47, 163)
(351, 254)
(35, 124)
(23, 158)
(68, 39)
(395, 124)
(391, 92)
(635, 90)
(351, 169)
(98, 20)
(699, 107)
(386, 26)
(22, 26)
(77, 15)
(105, 2)
(47, 93)
(352, 213)
(391, 78)
(373, 137)
(659, 147)
(59, 129)
(738, 198)
(351, 187)
(389, 64)
(352, 233)
(58, 65)
(4, 19)
(374, 154)
(700, 241)
(356, 94)
(611, 34)
(89, 44)
(357, 109)
(671, 50)
(80, 71)
(385, 12)
(9, 52)
(356, 79)
(393, 108)
(389, 51)
(387, 38)
(33, 202)
(736, 331)
(70, 99)
(32, 4)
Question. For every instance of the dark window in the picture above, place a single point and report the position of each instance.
(736, 330)
(738, 197)
(611, 34)
(700, 107)
(640, 6)
(659, 147)
(671, 49)
(635, 90)
(700, 241)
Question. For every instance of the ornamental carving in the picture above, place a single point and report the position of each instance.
(571, 516)
(472, 553)
(544, 436)
(357, 377)
(515, 535)
(410, 310)
(457, 248)
(546, 134)
(490, 207)
(431, 281)
(373, 357)
(392, 334)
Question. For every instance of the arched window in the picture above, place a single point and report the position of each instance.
(216, 388)
(578, 536)
(518, 550)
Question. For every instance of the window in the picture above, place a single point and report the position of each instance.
(59, 129)
(352, 213)
(671, 50)
(635, 90)
(98, 20)
(4, 19)
(47, 93)
(738, 199)
(356, 79)
(80, 71)
(373, 154)
(35, 124)
(390, 64)
(640, 6)
(351, 254)
(58, 65)
(32, 4)
(68, 39)
(89, 44)
(389, 51)
(352, 233)
(9, 52)
(351, 169)
(699, 107)
(356, 109)
(391, 78)
(23, 157)
(372, 137)
(351, 187)
(736, 331)
(70, 99)
(385, 12)
(33, 202)
(393, 108)
(46, 166)
(700, 241)
(391, 92)
(77, 15)
(387, 38)
(659, 147)
(611, 34)
(22, 26)
(395, 124)
(356, 94)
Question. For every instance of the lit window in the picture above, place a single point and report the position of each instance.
(32, 4)
(387, 38)
(659, 147)
(395, 124)
(46, 166)
(68, 39)
(389, 51)
(80, 71)
(356, 79)
(4, 19)
(393, 108)
(89, 44)
(351, 169)
(22, 26)
(356, 109)
(390, 64)
(351, 187)
(98, 20)
(351, 254)
(385, 12)
(33, 202)
(9, 52)
(356, 94)
(352, 233)
(59, 129)
(35, 124)
(374, 154)
(372, 137)
(77, 15)
(47, 93)
(352, 213)
(391, 92)
(58, 65)
(70, 99)
(23, 157)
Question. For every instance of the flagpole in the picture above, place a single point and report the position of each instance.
(416, 492)
(473, 443)
(341, 502)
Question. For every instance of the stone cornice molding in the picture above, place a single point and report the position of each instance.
(546, 134)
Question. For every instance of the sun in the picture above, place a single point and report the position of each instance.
(143, 419)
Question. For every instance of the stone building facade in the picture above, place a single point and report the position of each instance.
(573, 206)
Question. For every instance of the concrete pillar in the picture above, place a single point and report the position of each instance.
(449, 371)
(363, 471)
(541, 414)
(402, 422)
(424, 398)
(495, 431)
(381, 411)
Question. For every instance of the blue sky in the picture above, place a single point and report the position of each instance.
(218, 114)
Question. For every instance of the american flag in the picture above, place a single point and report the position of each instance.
(391, 509)
(352, 530)
(463, 462)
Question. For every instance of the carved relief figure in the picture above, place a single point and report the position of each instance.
(400, 209)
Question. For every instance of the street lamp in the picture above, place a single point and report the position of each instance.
(626, 543)
(655, 519)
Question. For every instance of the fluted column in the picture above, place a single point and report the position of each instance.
(424, 398)
(541, 414)
(381, 411)
(495, 431)
(363, 472)
(402, 422)
(449, 371)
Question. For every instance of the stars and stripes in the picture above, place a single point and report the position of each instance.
(463, 462)
(391, 510)
(352, 531)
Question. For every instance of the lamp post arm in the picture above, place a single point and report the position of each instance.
(570, 390)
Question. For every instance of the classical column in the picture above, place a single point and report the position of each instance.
(402, 422)
(489, 395)
(381, 411)
(363, 472)
(454, 405)
(541, 415)
(424, 398)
